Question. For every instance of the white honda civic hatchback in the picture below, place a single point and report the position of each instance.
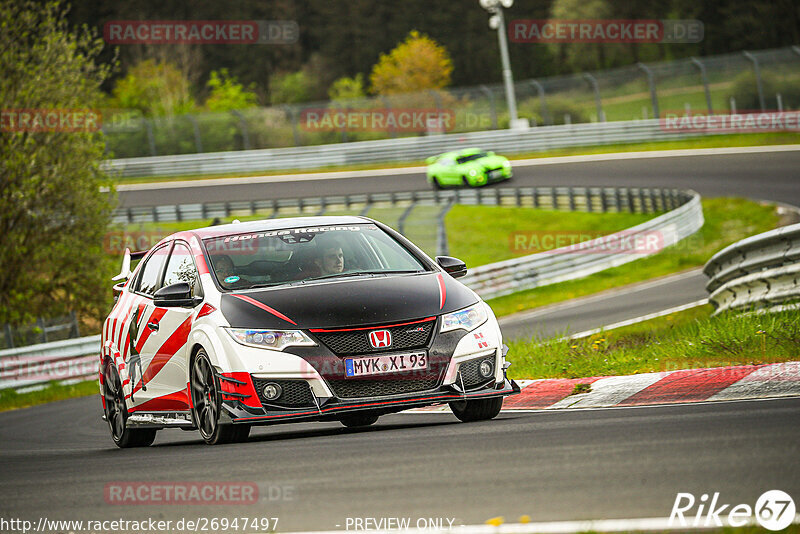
(300, 319)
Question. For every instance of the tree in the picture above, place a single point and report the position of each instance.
(290, 88)
(155, 89)
(417, 64)
(53, 215)
(228, 94)
(347, 88)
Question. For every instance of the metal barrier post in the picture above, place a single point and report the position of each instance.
(601, 116)
(652, 83)
(401, 222)
(546, 119)
(198, 143)
(442, 247)
(697, 63)
(243, 128)
(490, 94)
(151, 138)
(757, 70)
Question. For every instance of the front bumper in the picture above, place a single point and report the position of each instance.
(333, 408)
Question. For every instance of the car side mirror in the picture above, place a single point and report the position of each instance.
(177, 295)
(452, 266)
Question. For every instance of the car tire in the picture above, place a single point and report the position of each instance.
(436, 183)
(116, 411)
(359, 420)
(464, 181)
(207, 404)
(477, 410)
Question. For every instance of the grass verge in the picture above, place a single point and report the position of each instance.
(11, 400)
(711, 141)
(690, 339)
(727, 220)
(486, 234)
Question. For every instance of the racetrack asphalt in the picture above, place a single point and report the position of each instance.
(759, 175)
(566, 465)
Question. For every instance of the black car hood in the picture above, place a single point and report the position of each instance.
(346, 302)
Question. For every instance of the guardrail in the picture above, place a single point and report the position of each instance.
(76, 359)
(396, 150)
(762, 271)
(68, 360)
(577, 261)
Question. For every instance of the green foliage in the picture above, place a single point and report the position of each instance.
(291, 88)
(347, 88)
(228, 94)
(52, 212)
(745, 91)
(11, 400)
(726, 220)
(687, 340)
(154, 88)
(557, 110)
(417, 64)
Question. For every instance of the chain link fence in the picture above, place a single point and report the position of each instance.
(762, 80)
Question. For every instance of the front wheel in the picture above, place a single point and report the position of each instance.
(436, 183)
(116, 411)
(477, 410)
(207, 403)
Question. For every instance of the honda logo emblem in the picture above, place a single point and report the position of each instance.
(380, 339)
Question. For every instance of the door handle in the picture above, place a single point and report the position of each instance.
(153, 326)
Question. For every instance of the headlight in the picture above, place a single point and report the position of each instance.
(270, 339)
(468, 318)
(507, 164)
(473, 172)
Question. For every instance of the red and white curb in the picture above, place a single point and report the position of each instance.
(669, 387)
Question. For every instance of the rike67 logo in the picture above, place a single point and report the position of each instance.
(774, 510)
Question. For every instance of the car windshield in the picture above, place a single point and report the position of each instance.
(300, 255)
(471, 157)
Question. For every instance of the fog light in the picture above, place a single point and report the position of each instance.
(486, 369)
(272, 391)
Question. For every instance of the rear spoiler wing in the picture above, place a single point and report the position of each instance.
(127, 257)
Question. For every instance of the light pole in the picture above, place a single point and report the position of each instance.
(497, 22)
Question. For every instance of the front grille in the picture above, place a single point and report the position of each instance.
(296, 393)
(351, 342)
(349, 389)
(470, 374)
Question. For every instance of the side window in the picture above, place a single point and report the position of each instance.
(180, 268)
(148, 281)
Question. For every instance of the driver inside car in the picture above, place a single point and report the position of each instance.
(331, 258)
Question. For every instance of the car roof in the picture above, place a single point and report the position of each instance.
(462, 152)
(265, 225)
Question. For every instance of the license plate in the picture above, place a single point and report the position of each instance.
(381, 365)
(495, 173)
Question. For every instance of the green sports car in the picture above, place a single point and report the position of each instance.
(472, 166)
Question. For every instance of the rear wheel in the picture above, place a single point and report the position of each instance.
(207, 402)
(359, 420)
(116, 411)
(477, 410)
